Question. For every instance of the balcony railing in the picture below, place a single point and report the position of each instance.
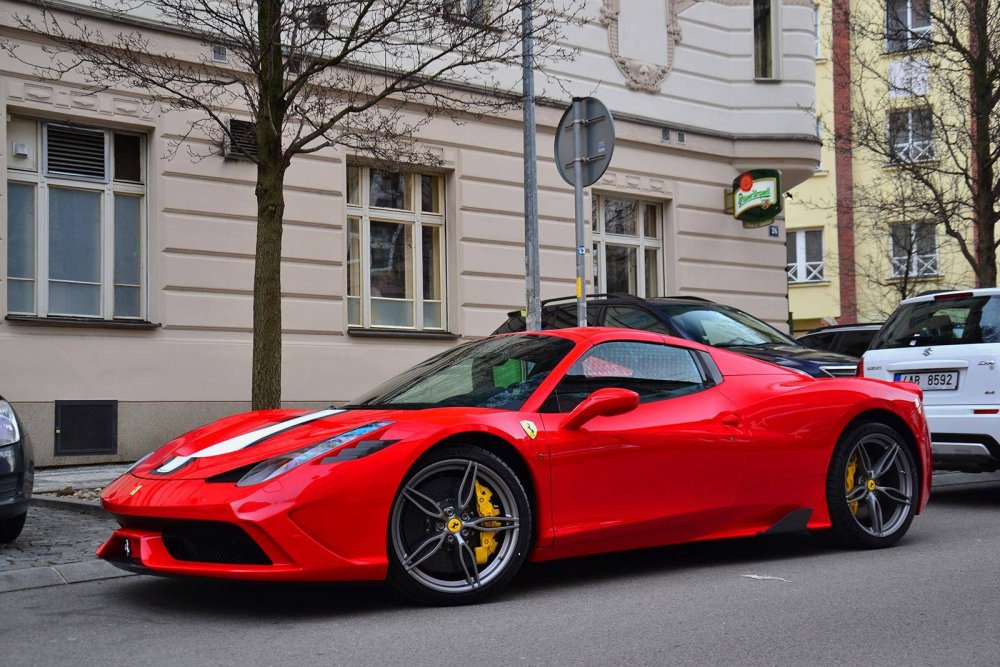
(914, 151)
(915, 266)
(807, 272)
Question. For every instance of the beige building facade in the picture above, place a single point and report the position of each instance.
(126, 265)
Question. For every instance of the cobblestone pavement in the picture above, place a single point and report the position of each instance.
(54, 536)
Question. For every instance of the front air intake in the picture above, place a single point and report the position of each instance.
(203, 541)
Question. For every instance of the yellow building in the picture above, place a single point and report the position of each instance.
(851, 255)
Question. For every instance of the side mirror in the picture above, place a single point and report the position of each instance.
(602, 403)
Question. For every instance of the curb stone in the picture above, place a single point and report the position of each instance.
(58, 575)
(89, 506)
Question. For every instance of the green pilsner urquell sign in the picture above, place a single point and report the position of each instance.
(757, 197)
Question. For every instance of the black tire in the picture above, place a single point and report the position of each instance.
(895, 489)
(429, 510)
(11, 528)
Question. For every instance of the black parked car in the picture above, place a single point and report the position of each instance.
(17, 473)
(850, 339)
(695, 319)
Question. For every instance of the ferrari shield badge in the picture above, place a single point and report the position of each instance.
(135, 490)
(530, 428)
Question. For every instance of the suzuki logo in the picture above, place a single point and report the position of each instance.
(927, 351)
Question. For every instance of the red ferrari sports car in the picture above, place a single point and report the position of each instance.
(535, 446)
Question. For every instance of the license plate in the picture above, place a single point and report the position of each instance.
(935, 381)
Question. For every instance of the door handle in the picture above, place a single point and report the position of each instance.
(730, 419)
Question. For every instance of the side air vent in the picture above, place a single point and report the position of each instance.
(86, 427)
(74, 151)
(241, 144)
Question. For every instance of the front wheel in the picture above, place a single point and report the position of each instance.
(460, 527)
(871, 487)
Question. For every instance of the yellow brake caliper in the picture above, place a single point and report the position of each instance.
(852, 469)
(487, 540)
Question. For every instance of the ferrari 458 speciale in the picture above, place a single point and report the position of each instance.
(542, 445)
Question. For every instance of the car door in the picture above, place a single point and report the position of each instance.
(671, 467)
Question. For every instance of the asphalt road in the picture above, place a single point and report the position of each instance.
(933, 599)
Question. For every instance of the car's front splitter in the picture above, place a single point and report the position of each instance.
(192, 528)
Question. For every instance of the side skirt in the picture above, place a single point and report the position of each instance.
(795, 521)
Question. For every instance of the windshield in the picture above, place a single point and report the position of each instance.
(949, 321)
(720, 326)
(498, 373)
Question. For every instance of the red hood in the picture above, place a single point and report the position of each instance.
(254, 437)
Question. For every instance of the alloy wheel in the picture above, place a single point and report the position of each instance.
(880, 486)
(455, 525)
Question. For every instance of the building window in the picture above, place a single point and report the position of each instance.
(395, 253)
(627, 244)
(817, 39)
(76, 224)
(805, 256)
(911, 135)
(765, 59)
(476, 12)
(819, 135)
(914, 250)
(907, 24)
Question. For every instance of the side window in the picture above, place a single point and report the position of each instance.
(854, 343)
(564, 317)
(655, 372)
(820, 341)
(635, 318)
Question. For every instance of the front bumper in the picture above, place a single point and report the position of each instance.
(963, 440)
(201, 529)
(15, 493)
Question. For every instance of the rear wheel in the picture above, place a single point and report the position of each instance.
(460, 527)
(871, 487)
(11, 528)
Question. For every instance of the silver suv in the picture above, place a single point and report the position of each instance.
(949, 344)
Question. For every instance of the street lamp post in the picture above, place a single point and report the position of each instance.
(532, 280)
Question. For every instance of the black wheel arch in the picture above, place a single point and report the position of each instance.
(891, 419)
(500, 448)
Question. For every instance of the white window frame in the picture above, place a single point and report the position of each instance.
(924, 265)
(914, 149)
(916, 35)
(817, 34)
(108, 187)
(800, 271)
(600, 239)
(416, 218)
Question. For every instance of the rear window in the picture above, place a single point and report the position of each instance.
(973, 319)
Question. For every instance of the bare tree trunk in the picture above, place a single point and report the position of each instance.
(982, 163)
(267, 289)
(266, 378)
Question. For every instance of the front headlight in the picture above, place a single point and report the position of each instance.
(279, 465)
(9, 432)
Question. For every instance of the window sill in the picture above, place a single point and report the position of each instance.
(401, 333)
(809, 283)
(927, 278)
(84, 322)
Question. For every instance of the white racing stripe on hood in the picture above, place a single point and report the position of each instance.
(245, 440)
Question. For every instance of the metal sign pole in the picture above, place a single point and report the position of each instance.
(588, 154)
(580, 154)
(532, 279)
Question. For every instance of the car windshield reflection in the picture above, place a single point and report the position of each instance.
(499, 373)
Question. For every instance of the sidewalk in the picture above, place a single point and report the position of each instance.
(65, 526)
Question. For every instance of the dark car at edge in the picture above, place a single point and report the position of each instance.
(17, 471)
